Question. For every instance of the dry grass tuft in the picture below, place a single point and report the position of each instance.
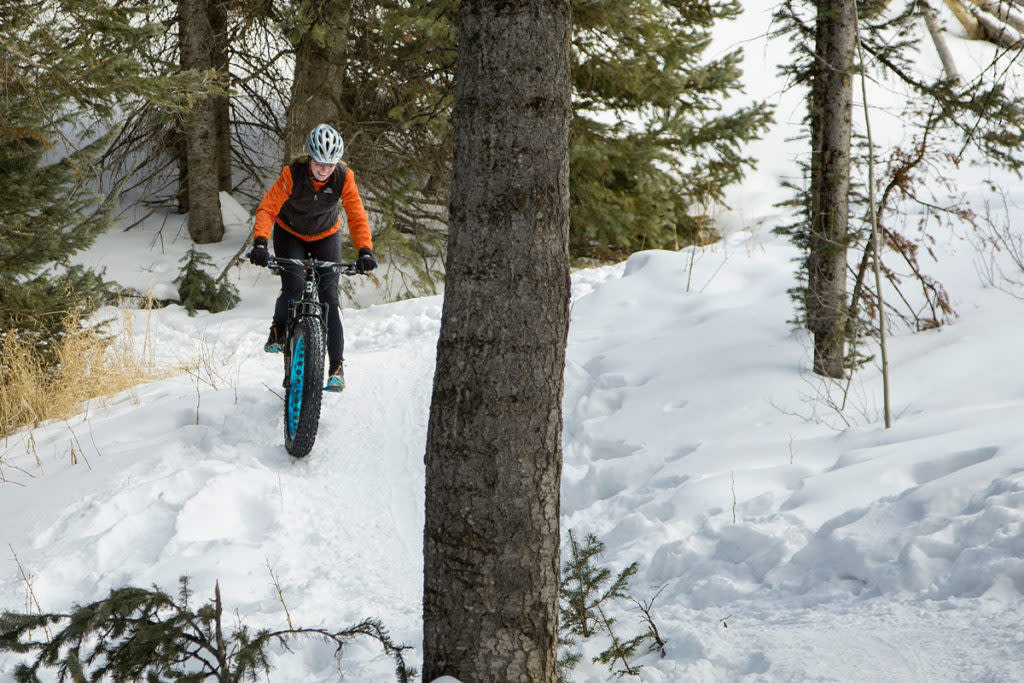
(89, 365)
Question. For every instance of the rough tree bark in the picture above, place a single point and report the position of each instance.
(218, 13)
(831, 115)
(218, 10)
(318, 85)
(493, 460)
(199, 126)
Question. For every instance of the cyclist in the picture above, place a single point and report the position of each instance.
(300, 212)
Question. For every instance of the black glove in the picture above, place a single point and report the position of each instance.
(365, 263)
(259, 256)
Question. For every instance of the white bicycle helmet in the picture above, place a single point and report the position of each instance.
(324, 145)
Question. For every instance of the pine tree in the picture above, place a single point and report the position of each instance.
(67, 67)
(652, 151)
(198, 290)
(39, 228)
(583, 581)
(947, 122)
(321, 37)
(831, 113)
(50, 206)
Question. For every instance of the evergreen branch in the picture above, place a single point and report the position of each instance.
(53, 69)
(136, 634)
(618, 587)
(618, 651)
(368, 627)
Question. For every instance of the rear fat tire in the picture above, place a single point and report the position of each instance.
(304, 391)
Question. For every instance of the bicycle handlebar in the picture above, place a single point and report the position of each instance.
(276, 263)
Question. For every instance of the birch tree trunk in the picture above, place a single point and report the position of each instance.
(965, 18)
(493, 460)
(831, 112)
(939, 40)
(199, 126)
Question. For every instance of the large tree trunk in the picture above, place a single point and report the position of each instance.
(493, 461)
(831, 111)
(222, 104)
(200, 127)
(218, 13)
(179, 148)
(318, 85)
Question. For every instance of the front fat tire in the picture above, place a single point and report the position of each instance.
(306, 339)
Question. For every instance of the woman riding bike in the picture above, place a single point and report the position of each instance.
(300, 211)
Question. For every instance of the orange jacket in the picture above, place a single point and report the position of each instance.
(277, 195)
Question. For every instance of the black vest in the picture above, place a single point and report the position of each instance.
(308, 211)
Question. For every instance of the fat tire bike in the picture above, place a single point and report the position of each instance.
(304, 348)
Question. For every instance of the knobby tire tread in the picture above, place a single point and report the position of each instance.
(301, 443)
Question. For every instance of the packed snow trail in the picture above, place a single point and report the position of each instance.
(192, 479)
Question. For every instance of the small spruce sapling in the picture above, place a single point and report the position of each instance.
(136, 634)
(582, 579)
(198, 290)
(584, 597)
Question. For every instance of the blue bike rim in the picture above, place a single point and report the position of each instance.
(295, 380)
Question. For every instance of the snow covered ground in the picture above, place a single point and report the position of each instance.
(696, 443)
(787, 545)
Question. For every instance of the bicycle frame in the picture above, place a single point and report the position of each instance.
(303, 373)
(310, 304)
